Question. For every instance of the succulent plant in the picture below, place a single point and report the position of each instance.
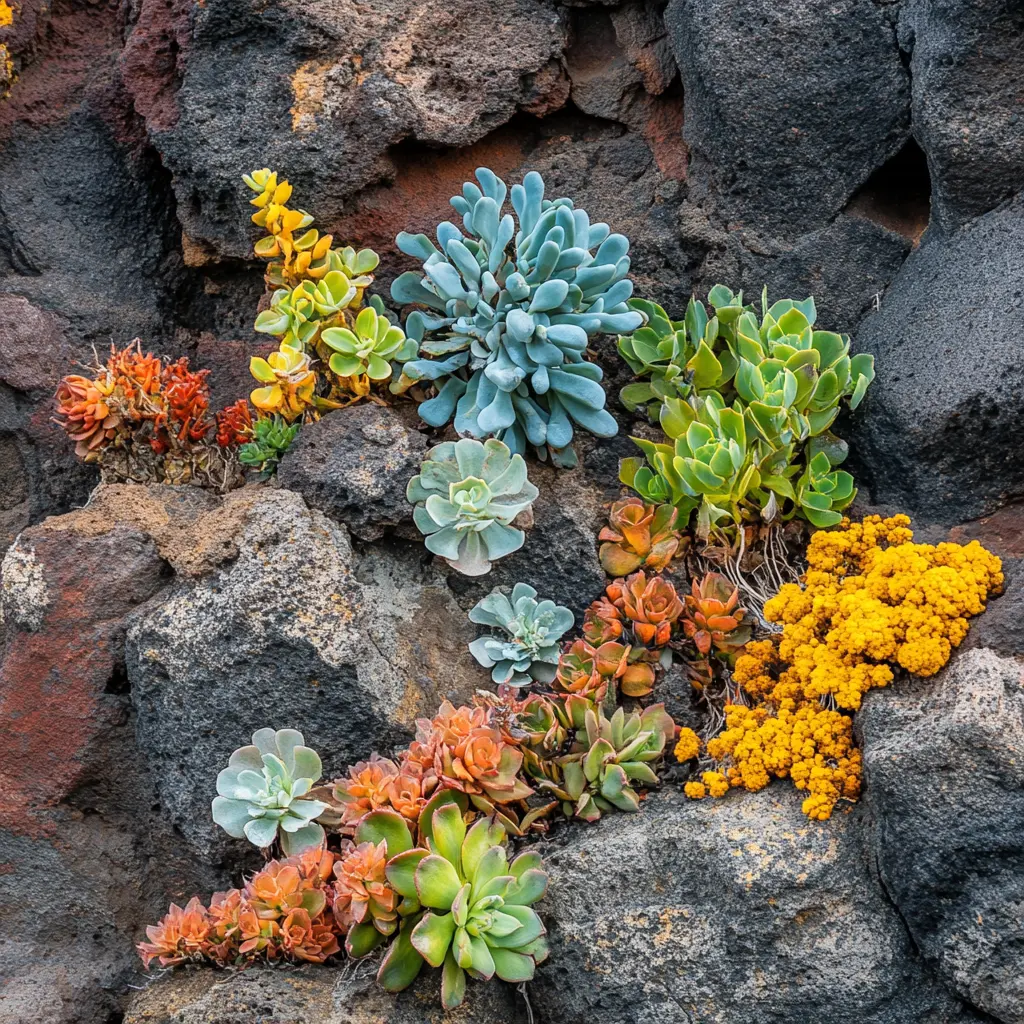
(528, 650)
(366, 349)
(712, 616)
(639, 535)
(366, 788)
(477, 916)
(289, 383)
(234, 425)
(611, 755)
(746, 405)
(586, 671)
(509, 313)
(295, 315)
(271, 438)
(261, 792)
(822, 493)
(85, 415)
(363, 895)
(466, 496)
(651, 605)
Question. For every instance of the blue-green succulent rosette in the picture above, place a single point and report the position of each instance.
(509, 311)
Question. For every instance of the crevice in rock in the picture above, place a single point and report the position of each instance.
(898, 194)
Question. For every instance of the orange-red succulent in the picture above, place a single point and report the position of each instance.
(366, 789)
(639, 535)
(234, 424)
(180, 935)
(362, 891)
(652, 606)
(712, 617)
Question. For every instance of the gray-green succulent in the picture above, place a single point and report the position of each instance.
(509, 312)
(262, 790)
(526, 649)
(466, 495)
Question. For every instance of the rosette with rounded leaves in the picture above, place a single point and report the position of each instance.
(467, 494)
(712, 616)
(651, 605)
(289, 383)
(528, 650)
(367, 348)
(586, 671)
(477, 916)
(509, 313)
(639, 535)
(261, 792)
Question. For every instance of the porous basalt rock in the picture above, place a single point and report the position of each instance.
(944, 777)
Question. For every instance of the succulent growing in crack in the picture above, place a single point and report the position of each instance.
(613, 754)
(639, 535)
(477, 917)
(528, 648)
(509, 311)
(261, 792)
(466, 495)
(271, 438)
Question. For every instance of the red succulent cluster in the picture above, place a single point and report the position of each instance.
(234, 424)
(135, 395)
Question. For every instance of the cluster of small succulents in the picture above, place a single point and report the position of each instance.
(146, 419)
(335, 341)
(508, 306)
(746, 406)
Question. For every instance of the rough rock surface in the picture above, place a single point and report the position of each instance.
(944, 766)
(287, 634)
(355, 466)
(784, 136)
(305, 995)
(941, 429)
(966, 65)
(732, 911)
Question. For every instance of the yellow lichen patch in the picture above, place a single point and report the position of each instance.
(871, 600)
(6, 14)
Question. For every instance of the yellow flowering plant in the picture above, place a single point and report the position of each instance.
(871, 601)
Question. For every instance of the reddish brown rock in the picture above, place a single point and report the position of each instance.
(34, 352)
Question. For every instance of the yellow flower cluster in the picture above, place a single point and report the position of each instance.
(871, 599)
(687, 746)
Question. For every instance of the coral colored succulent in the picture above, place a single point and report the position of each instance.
(602, 622)
(362, 892)
(85, 415)
(466, 495)
(639, 536)
(188, 400)
(652, 606)
(367, 788)
(180, 936)
(586, 671)
(471, 755)
(261, 792)
(712, 616)
(528, 650)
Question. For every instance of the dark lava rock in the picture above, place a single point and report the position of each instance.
(738, 911)
(355, 465)
(789, 107)
(942, 427)
(966, 67)
(944, 767)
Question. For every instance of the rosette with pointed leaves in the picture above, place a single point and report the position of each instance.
(261, 792)
(271, 438)
(510, 309)
(528, 648)
(639, 535)
(712, 617)
(611, 755)
(587, 671)
(477, 917)
(467, 493)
